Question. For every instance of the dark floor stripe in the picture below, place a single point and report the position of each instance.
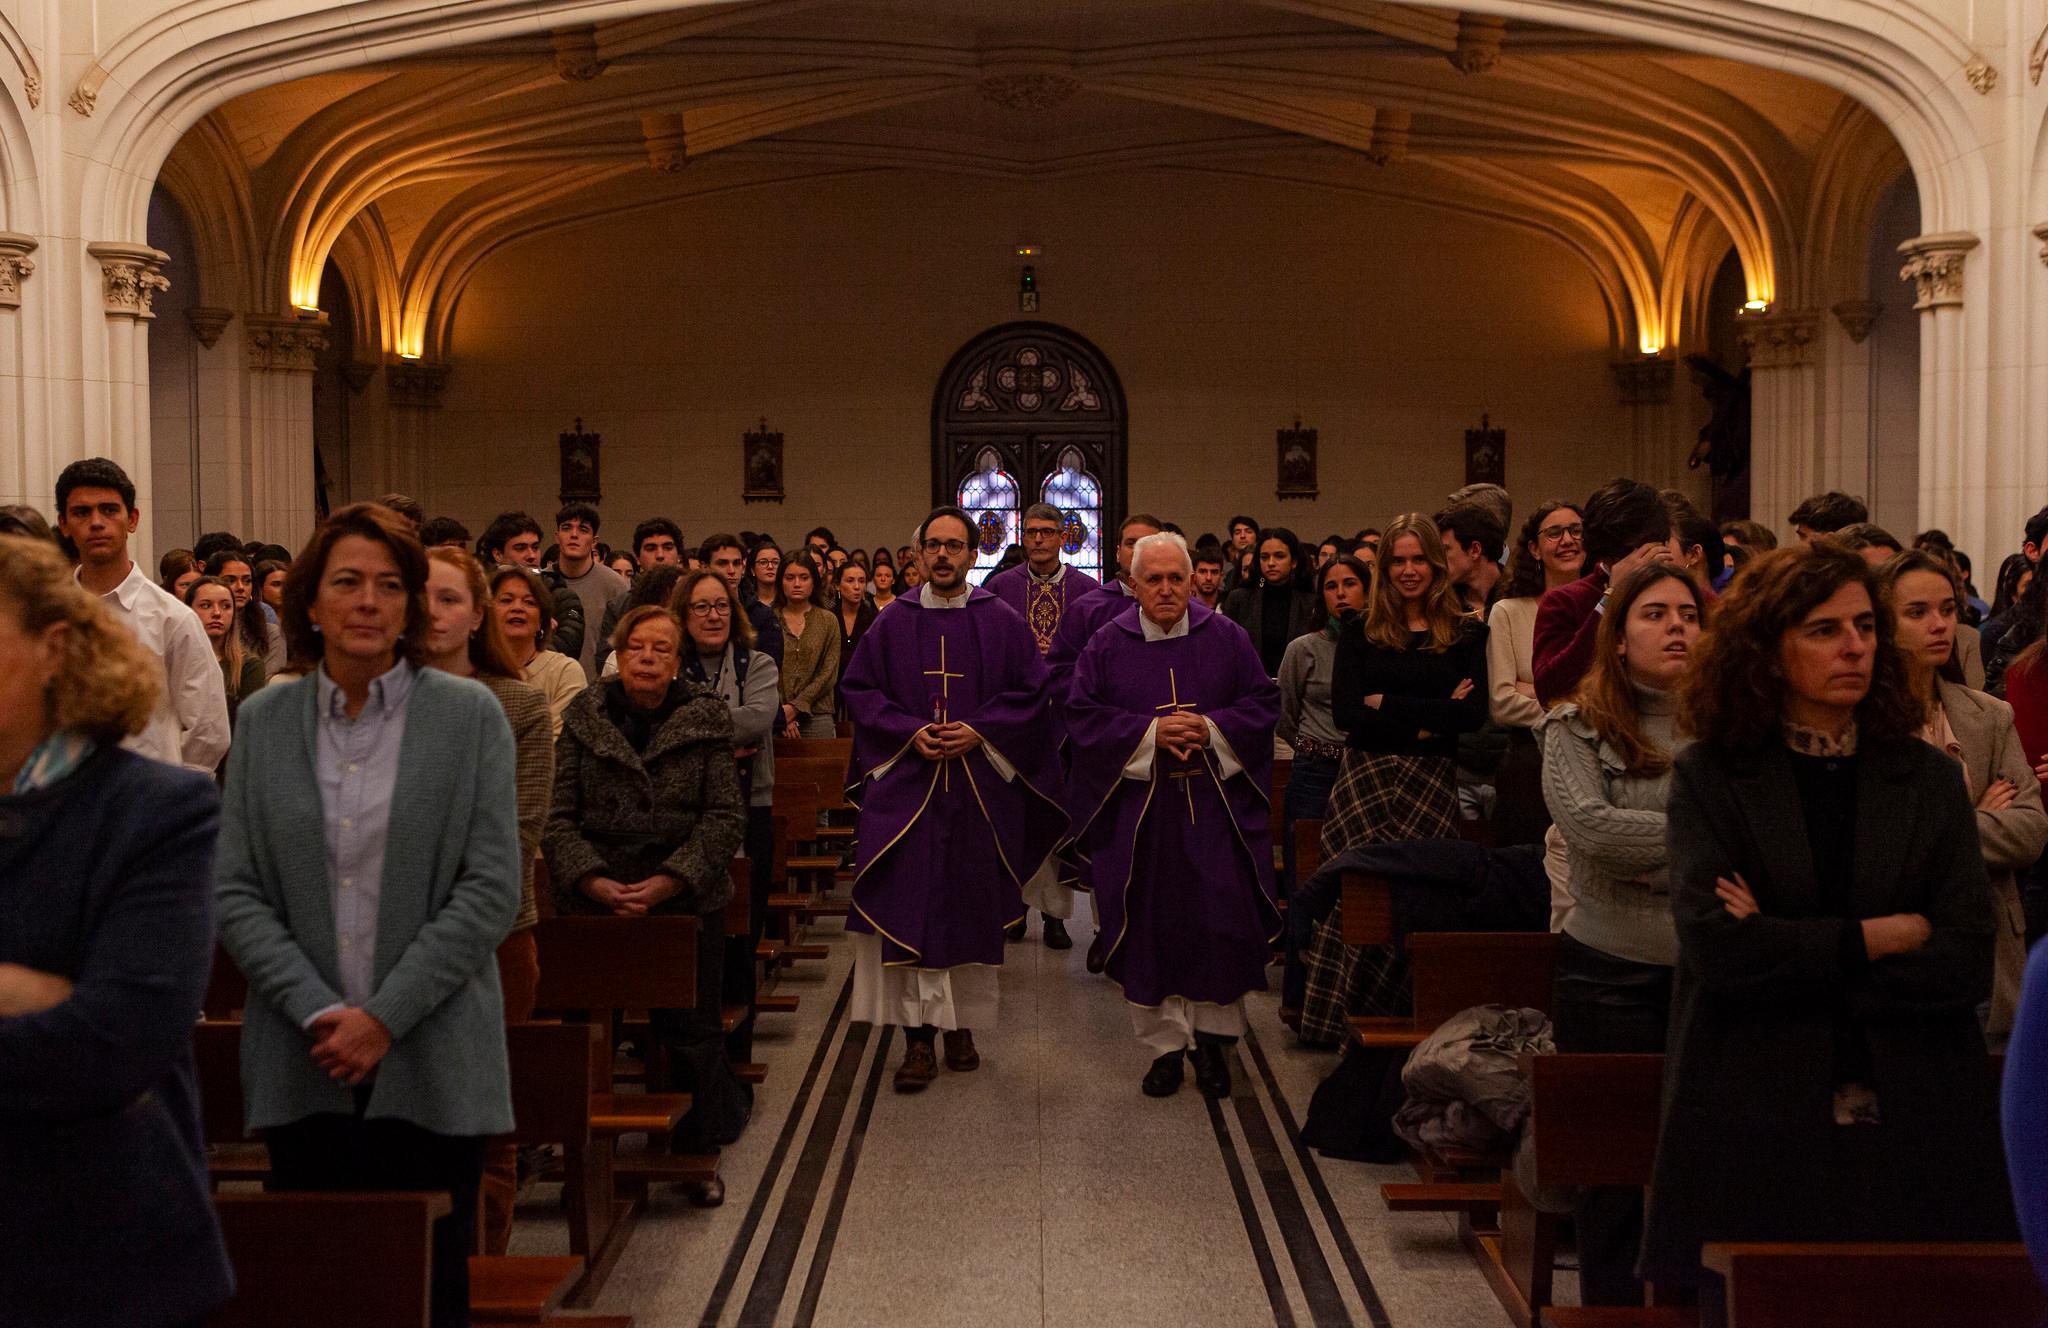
(736, 1257)
(778, 1258)
(1367, 1293)
(1325, 1302)
(1254, 1229)
(828, 1231)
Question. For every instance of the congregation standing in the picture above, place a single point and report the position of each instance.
(1788, 837)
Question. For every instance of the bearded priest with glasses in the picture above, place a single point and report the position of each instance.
(953, 772)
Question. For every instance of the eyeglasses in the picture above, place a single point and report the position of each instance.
(1559, 532)
(716, 608)
(1041, 532)
(954, 547)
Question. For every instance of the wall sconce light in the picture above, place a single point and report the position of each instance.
(1756, 307)
(408, 355)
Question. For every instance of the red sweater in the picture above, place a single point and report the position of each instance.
(1565, 627)
(2026, 690)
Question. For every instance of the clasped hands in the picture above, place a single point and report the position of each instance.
(1894, 933)
(937, 742)
(630, 901)
(348, 1043)
(1182, 733)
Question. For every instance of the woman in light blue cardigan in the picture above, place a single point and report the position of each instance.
(368, 867)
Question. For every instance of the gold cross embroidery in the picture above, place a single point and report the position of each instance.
(1174, 706)
(945, 706)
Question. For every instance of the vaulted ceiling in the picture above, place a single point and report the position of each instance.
(1648, 163)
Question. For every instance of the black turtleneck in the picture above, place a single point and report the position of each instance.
(636, 723)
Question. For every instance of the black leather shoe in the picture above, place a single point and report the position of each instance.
(1163, 1079)
(1015, 931)
(1056, 937)
(1212, 1068)
(1098, 954)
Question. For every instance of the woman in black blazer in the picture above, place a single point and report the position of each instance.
(106, 937)
(856, 611)
(1275, 608)
(1826, 1078)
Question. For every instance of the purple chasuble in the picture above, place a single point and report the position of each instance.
(1182, 862)
(946, 846)
(1043, 607)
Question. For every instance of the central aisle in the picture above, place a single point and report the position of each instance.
(1042, 1189)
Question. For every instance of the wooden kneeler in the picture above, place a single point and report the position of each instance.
(605, 967)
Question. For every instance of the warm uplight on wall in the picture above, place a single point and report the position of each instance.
(1652, 344)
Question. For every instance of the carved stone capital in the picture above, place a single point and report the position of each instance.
(576, 57)
(2041, 234)
(1390, 131)
(83, 99)
(1857, 317)
(1779, 341)
(1934, 264)
(208, 323)
(1981, 75)
(668, 149)
(284, 345)
(1645, 381)
(15, 266)
(415, 383)
(32, 87)
(134, 275)
(357, 375)
(1479, 40)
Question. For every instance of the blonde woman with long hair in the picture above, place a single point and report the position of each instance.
(1409, 677)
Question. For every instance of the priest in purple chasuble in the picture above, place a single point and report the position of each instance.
(1082, 621)
(954, 773)
(1170, 723)
(1041, 589)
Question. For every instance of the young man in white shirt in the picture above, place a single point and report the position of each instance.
(96, 511)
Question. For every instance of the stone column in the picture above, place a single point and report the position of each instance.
(21, 480)
(412, 391)
(1784, 405)
(1644, 387)
(280, 419)
(1954, 483)
(131, 277)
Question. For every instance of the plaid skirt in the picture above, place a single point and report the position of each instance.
(1377, 800)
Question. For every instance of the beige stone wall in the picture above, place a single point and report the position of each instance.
(1226, 307)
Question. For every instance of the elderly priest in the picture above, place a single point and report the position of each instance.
(952, 757)
(1170, 722)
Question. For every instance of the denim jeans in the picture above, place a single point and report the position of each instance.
(1308, 797)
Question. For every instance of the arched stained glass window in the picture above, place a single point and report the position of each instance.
(1078, 495)
(990, 495)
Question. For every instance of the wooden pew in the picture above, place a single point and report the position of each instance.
(1878, 1286)
(606, 967)
(227, 991)
(275, 1242)
(230, 1154)
(1593, 1121)
(558, 1071)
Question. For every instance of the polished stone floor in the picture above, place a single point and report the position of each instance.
(1042, 1189)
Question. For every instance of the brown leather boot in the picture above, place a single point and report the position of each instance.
(960, 1052)
(919, 1068)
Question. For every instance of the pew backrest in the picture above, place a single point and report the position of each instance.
(1878, 1286)
(328, 1260)
(1455, 970)
(556, 1068)
(611, 963)
(217, 1055)
(1594, 1119)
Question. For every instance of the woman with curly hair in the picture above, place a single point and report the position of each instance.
(106, 938)
(1409, 677)
(1826, 1077)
